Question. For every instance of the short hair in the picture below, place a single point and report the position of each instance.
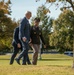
(37, 19)
(27, 12)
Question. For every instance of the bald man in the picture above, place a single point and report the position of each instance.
(24, 36)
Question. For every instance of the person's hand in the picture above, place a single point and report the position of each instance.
(24, 39)
(30, 44)
(30, 41)
(44, 46)
(18, 45)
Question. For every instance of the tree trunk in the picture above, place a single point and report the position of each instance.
(73, 45)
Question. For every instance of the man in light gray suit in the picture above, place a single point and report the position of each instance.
(24, 36)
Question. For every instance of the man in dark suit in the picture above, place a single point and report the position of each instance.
(16, 43)
(24, 36)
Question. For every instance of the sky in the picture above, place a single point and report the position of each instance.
(19, 7)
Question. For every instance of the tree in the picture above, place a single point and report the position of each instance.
(46, 23)
(5, 6)
(66, 4)
(4, 12)
(6, 26)
(62, 36)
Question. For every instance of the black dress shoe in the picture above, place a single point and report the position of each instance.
(11, 63)
(23, 64)
(29, 63)
(17, 60)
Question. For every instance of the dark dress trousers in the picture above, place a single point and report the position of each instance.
(24, 31)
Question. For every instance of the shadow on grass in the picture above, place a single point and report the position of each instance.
(4, 59)
(44, 59)
(54, 59)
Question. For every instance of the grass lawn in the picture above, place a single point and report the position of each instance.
(50, 64)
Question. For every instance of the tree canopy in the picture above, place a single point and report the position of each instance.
(62, 36)
(6, 26)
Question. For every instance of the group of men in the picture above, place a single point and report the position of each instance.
(25, 35)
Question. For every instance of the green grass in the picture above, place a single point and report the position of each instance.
(51, 64)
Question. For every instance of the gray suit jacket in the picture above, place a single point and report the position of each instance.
(24, 29)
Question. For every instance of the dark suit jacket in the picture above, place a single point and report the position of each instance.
(16, 37)
(24, 29)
